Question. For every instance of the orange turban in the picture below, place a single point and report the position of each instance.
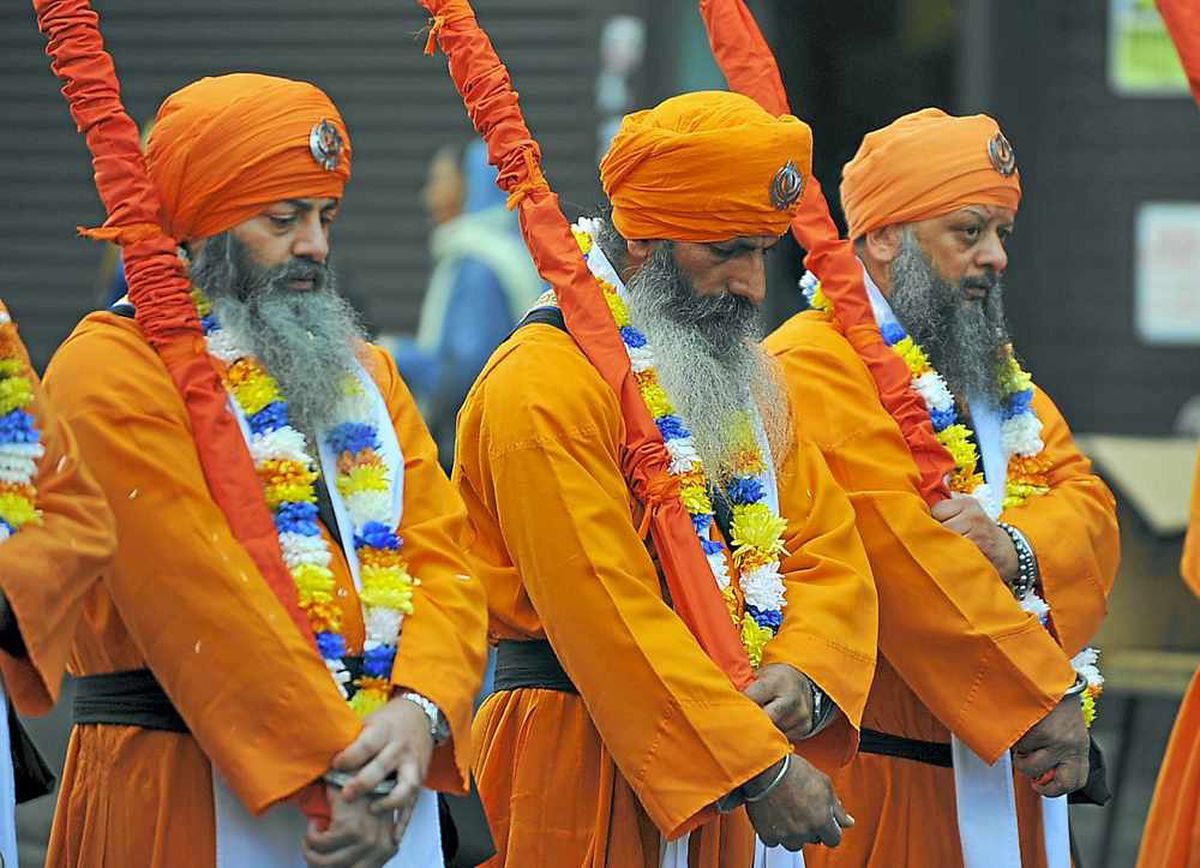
(926, 164)
(706, 167)
(224, 148)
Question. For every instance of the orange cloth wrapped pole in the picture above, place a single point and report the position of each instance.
(158, 285)
(749, 67)
(1182, 18)
(492, 104)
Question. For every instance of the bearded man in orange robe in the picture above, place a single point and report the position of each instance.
(966, 671)
(56, 536)
(613, 737)
(1172, 834)
(205, 719)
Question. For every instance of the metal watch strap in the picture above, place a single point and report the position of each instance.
(438, 729)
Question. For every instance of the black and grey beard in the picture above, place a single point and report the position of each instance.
(708, 357)
(307, 340)
(963, 339)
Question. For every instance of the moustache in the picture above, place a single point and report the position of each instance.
(987, 281)
(301, 269)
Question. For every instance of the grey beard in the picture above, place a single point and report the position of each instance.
(308, 341)
(709, 359)
(964, 340)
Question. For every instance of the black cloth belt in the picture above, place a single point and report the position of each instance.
(130, 698)
(530, 663)
(931, 753)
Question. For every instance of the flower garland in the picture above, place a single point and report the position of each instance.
(756, 529)
(289, 474)
(20, 440)
(1020, 441)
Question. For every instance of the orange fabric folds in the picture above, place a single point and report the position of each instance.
(223, 148)
(746, 60)
(706, 167)
(926, 164)
(491, 102)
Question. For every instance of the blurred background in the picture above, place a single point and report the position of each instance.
(1102, 271)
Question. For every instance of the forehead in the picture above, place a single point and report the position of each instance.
(313, 204)
(987, 213)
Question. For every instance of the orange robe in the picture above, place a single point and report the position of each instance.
(185, 599)
(1172, 835)
(47, 569)
(956, 650)
(658, 733)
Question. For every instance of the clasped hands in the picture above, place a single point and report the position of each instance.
(366, 828)
(801, 808)
(1057, 743)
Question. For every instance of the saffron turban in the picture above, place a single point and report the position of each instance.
(927, 164)
(706, 167)
(224, 148)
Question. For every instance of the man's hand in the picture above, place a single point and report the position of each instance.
(1058, 743)
(803, 809)
(395, 740)
(966, 517)
(356, 837)
(784, 693)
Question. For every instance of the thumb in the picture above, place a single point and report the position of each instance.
(761, 692)
(948, 508)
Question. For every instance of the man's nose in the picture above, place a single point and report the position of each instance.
(748, 277)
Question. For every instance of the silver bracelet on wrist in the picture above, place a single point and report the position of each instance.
(1078, 687)
(339, 779)
(766, 791)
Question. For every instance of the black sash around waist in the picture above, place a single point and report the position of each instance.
(530, 663)
(130, 698)
(931, 753)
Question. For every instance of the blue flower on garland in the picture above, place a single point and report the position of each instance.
(745, 489)
(672, 428)
(269, 418)
(331, 645)
(352, 437)
(378, 536)
(377, 661)
(632, 337)
(892, 333)
(298, 518)
(772, 618)
(18, 427)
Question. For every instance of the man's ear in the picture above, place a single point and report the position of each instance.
(883, 245)
(639, 252)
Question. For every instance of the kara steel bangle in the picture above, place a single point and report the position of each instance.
(766, 791)
(340, 779)
(1078, 687)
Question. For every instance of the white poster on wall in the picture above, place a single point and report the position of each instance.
(1167, 272)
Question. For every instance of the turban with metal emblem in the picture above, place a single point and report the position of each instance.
(224, 148)
(926, 164)
(704, 167)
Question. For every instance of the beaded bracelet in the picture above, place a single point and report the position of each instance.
(1027, 565)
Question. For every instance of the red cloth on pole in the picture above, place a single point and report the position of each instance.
(749, 67)
(492, 104)
(1182, 18)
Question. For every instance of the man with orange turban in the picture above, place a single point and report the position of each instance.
(207, 721)
(613, 738)
(56, 536)
(988, 600)
(1172, 833)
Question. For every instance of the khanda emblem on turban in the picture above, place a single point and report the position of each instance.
(1000, 152)
(325, 143)
(787, 186)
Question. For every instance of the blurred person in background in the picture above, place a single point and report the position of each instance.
(57, 536)
(1029, 533)
(1172, 833)
(210, 727)
(483, 280)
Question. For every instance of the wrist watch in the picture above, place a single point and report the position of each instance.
(439, 729)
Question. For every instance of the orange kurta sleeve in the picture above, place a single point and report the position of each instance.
(830, 623)
(995, 671)
(443, 643)
(47, 569)
(538, 455)
(253, 692)
(1073, 531)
